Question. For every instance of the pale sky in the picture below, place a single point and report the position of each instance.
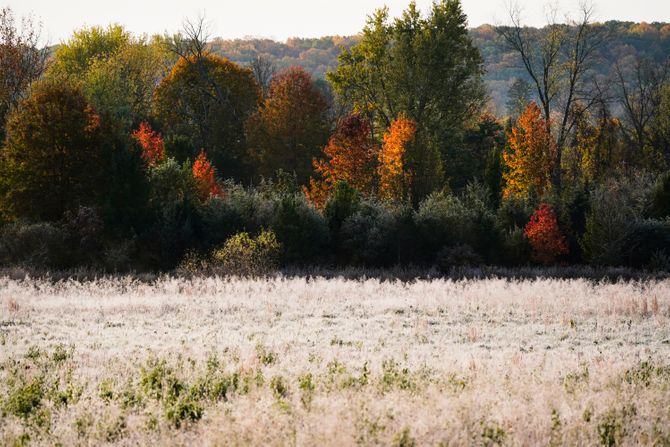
(280, 19)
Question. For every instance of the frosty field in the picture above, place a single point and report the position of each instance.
(295, 361)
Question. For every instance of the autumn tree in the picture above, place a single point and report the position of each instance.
(116, 71)
(557, 60)
(351, 157)
(151, 142)
(544, 235)
(208, 99)
(530, 155)
(394, 176)
(423, 66)
(86, 46)
(22, 61)
(54, 158)
(205, 178)
(291, 126)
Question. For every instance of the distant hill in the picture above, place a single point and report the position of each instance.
(319, 55)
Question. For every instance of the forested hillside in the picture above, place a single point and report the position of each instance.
(627, 40)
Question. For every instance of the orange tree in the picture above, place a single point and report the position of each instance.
(208, 99)
(151, 142)
(291, 127)
(205, 178)
(529, 157)
(545, 236)
(394, 177)
(55, 156)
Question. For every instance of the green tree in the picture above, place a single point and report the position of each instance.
(209, 99)
(54, 156)
(86, 46)
(424, 67)
(291, 127)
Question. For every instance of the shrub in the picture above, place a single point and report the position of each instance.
(84, 230)
(458, 256)
(343, 202)
(369, 236)
(24, 399)
(615, 205)
(516, 248)
(442, 220)
(243, 255)
(544, 236)
(447, 221)
(34, 245)
(301, 230)
(660, 198)
(514, 212)
(645, 240)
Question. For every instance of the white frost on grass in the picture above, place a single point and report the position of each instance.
(464, 362)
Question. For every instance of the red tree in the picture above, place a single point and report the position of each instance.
(151, 143)
(351, 157)
(205, 180)
(545, 236)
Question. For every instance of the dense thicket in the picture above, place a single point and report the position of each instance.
(130, 152)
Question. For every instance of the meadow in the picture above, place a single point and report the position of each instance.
(334, 361)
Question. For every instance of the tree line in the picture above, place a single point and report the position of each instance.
(123, 151)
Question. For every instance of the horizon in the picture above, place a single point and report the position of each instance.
(280, 21)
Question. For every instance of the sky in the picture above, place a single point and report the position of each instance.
(280, 19)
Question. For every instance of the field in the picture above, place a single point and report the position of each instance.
(298, 361)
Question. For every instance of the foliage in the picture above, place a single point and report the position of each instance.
(394, 177)
(370, 235)
(301, 229)
(54, 158)
(86, 46)
(33, 245)
(643, 241)
(615, 206)
(544, 235)
(291, 127)
(424, 67)
(351, 157)
(243, 255)
(151, 142)
(528, 161)
(205, 179)
(208, 99)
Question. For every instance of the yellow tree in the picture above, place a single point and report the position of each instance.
(394, 177)
(529, 156)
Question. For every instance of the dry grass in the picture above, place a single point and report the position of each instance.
(334, 362)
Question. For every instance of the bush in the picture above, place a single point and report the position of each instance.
(370, 235)
(84, 231)
(34, 245)
(243, 255)
(660, 198)
(516, 248)
(458, 256)
(514, 212)
(449, 221)
(645, 240)
(615, 206)
(301, 230)
(442, 221)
